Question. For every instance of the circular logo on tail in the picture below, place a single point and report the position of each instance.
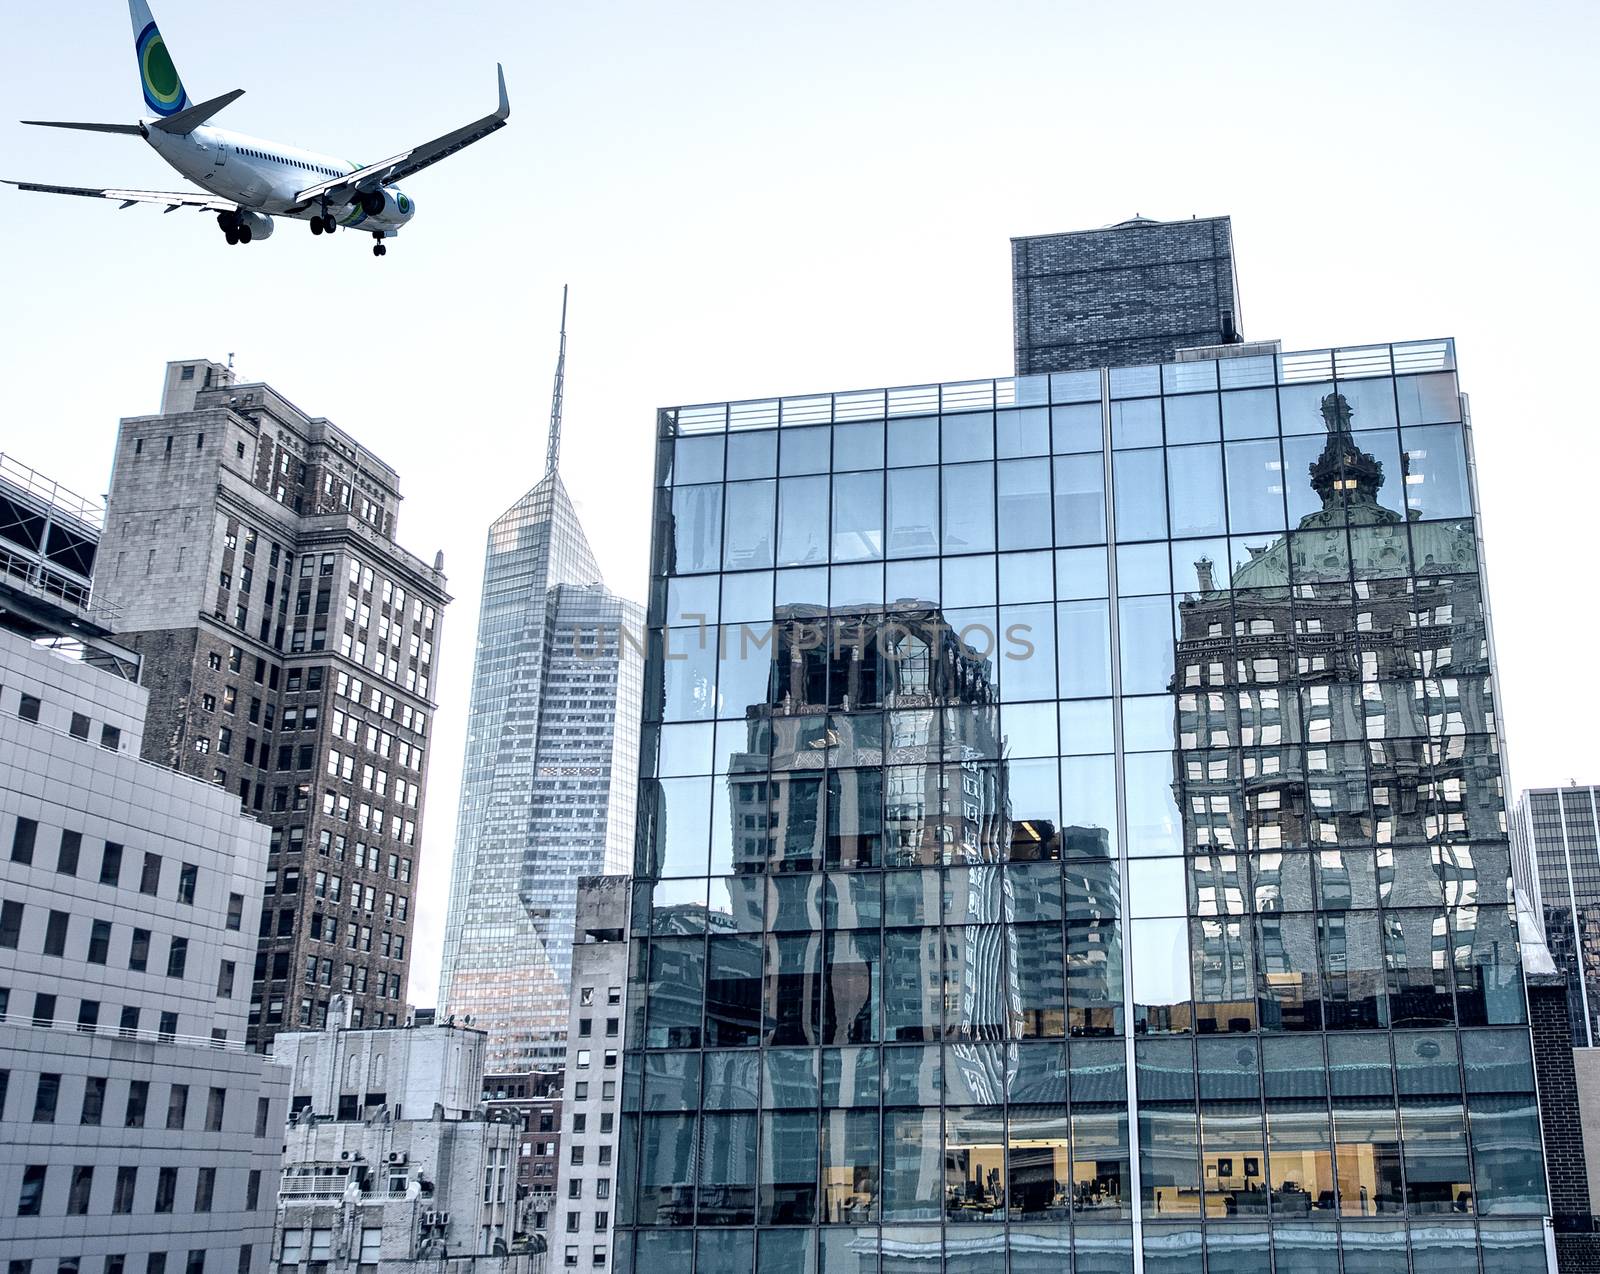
(163, 90)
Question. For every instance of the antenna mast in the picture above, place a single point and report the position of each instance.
(554, 453)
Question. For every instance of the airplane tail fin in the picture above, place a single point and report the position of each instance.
(158, 76)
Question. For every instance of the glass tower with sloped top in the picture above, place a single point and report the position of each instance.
(547, 784)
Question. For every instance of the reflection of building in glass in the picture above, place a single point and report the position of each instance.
(546, 789)
(1171, 920)
(1337, 779)
(1557, 836)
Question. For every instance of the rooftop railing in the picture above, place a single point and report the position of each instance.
(123, 1033)
(1298, 367)
(36, 577)
(52, 492)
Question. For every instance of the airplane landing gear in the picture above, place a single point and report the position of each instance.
(316, 225)
(378, 249)
(323, 224)
(230, 227)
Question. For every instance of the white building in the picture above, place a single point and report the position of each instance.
(580, 1220)
(137, 1136)
(388, 1159)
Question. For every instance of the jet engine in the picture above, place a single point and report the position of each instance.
(258, 223)
(389, 205)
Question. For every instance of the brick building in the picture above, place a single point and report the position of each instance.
(289, 646)
(1131, 293)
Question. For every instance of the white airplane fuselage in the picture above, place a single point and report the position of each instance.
(265, 177)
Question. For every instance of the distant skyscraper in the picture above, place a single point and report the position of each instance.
(289, 649)
(1556, 842)
(1136, 292)
(547, 784)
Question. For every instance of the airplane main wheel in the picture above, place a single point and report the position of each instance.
(316, 225)
(232, 236)
(244, 234)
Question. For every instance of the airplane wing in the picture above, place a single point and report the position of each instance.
(398, 167)
(127, 198)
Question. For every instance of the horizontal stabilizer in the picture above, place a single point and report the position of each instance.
(136, 129)
(186, 121)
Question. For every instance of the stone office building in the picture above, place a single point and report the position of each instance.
(290, 646)
(579, 1233)
(139, 1136)
(1078, 834)
(391, 1162)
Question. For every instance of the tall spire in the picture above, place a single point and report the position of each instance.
(553, 455)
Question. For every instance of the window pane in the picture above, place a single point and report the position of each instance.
(788, 1169)
(1195, 484)
(666, 1178)
(696, 540)
(1161, 975)
(850, 1167)
(1141, 492)
(975, 1165)
(913, 502)
(969, 508)
(748, 536)
(1255, 486)
(802, 521)
(913, 1168)
(1080, 500)
(857, 517)
(1024, 503)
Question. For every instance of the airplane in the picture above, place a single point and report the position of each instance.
(248, 181)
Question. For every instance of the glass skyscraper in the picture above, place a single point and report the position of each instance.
(548, 783)
(1556, 836)
(1072, 834)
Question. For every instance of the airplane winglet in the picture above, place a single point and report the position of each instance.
(505, 102)
(186, 121)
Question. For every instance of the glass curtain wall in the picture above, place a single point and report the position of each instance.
(1072, 831)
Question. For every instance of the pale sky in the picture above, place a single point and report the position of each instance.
(751, 200)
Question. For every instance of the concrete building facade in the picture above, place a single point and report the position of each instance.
(390, 1163)
(289, 647)
(139, 1135)
(580, 1227)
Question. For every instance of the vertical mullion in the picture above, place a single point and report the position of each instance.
(1135, 1182)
